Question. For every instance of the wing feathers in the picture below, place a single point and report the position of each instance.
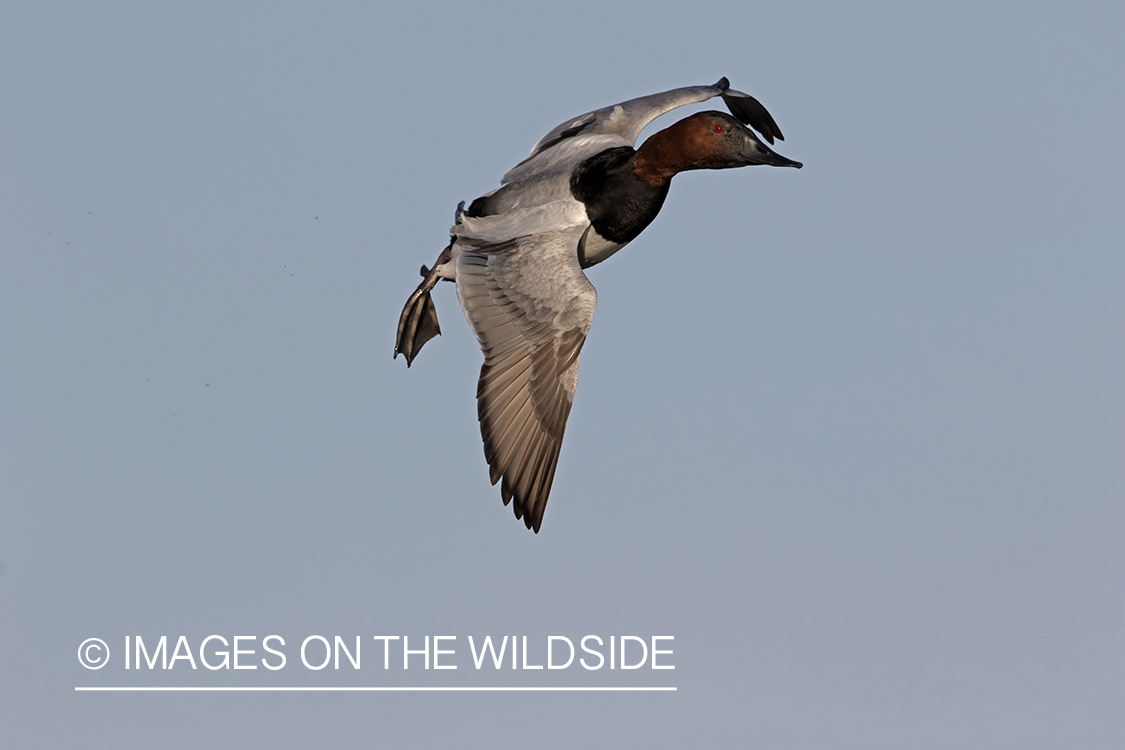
(531, 307)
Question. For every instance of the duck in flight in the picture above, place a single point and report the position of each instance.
(518, 255)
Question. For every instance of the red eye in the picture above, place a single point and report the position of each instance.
(718, 128)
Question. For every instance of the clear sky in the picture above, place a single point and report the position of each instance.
(853, 435)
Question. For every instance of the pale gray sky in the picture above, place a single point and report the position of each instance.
(854, 435)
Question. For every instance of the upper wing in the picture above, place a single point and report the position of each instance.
(620, 124)
(531, 308)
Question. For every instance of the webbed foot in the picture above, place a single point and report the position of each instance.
(418, 322)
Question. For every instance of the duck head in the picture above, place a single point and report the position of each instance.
(706, 140)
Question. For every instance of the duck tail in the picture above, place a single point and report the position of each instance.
(418, 322)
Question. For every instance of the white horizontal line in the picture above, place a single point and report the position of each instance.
(380, 689)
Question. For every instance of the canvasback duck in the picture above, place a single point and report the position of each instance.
(517, 256)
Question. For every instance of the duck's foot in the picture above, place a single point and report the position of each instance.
(418, 322)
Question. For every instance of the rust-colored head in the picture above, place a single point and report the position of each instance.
(707, 140)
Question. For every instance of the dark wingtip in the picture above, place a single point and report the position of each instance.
(751, 112)
(532, 520)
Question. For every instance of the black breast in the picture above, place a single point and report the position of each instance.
(619, 203)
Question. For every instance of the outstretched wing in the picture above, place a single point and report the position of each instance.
(620, 124)
(531, 308)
